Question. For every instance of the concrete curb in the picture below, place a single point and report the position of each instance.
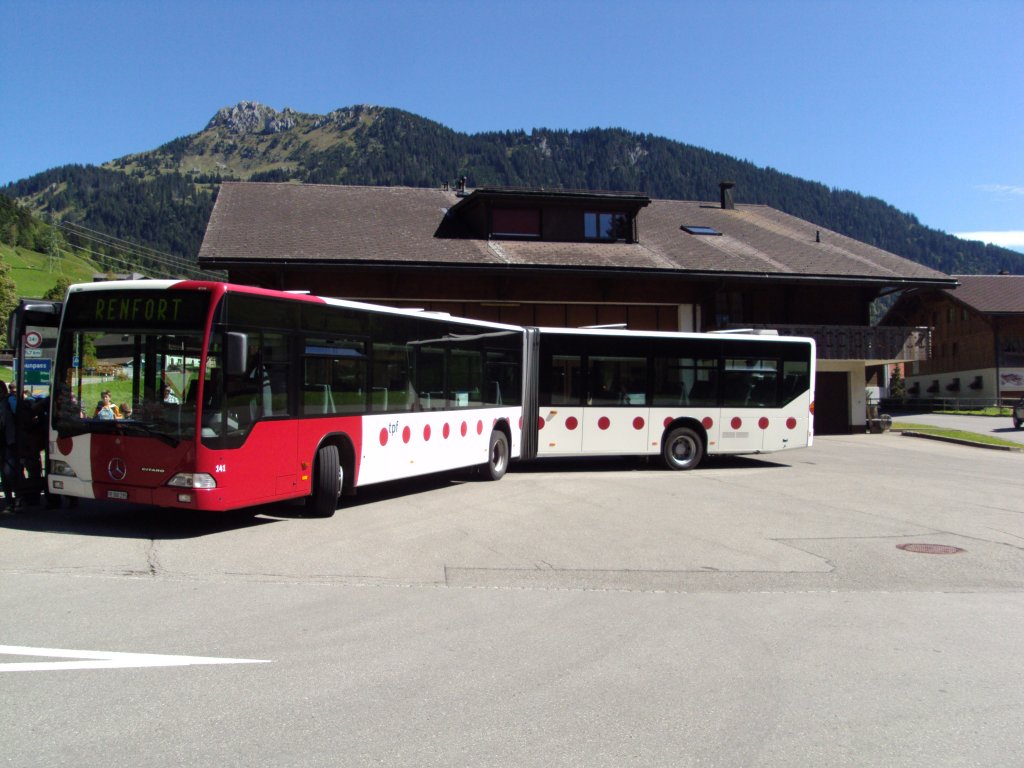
(959, 441)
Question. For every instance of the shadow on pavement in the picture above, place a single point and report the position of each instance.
(90, 517)
(127, 521)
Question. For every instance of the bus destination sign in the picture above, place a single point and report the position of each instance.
(137, 309)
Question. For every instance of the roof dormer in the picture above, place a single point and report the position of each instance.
(546, 215)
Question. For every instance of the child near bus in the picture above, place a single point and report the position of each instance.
(105, 409)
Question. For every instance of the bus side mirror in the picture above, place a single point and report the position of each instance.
(238, 353)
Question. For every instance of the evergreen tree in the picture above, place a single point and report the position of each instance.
(897, 384)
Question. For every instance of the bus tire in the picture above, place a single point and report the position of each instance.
(683, 449)
(328, 480)
(497, 456)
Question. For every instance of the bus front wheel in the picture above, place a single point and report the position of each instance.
(328, 480)
(683, 449)
(497, 455)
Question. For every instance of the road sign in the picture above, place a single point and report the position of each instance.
(37, 372)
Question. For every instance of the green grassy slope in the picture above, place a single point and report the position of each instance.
(29, 270)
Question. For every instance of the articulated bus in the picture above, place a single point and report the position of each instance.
(211, 396)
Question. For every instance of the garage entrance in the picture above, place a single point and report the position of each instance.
(832, 403)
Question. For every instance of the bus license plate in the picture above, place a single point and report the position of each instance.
(123, 495)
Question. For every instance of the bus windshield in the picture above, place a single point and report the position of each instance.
(126, 365)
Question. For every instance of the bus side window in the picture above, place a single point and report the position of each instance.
(618, 381)
(563, 380)
(751, 383)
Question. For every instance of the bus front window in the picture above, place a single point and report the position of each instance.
(129, 382)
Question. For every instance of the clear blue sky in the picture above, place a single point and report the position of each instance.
(917, 102)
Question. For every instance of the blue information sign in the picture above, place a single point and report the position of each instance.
(37, 372)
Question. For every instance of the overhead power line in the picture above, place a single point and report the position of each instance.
(166, 263)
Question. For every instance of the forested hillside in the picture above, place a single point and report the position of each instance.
(163, 198)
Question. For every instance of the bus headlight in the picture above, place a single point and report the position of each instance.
(62, 468)
(192, 480)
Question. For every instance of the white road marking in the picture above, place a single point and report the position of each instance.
(103, 659)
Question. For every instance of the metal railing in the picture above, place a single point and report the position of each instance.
(927, 404)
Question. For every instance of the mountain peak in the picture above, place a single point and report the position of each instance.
(252, 117)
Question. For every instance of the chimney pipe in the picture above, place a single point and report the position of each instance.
(725, 188)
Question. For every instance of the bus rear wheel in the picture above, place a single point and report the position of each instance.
(683, 449)
(497, 456)
(328, 480)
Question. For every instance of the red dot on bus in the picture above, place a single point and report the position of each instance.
(446, 431)
(520, 422)
(540, 422)
(638, 423)
(64, 445)
(406, 435)
(791, 423)
(736, 422)
(708, 422)
(571, 423)
(668, 420)
(763, 422)
(426, 433)
(604, 422)
(480, 427)
(384, 436)
(464, 429)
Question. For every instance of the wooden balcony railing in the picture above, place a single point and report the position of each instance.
(874, 343)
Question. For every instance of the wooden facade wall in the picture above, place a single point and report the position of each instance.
(572, 299)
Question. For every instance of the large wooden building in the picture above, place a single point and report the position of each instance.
(568, 259)
(977, 339)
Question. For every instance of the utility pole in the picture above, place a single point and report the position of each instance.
(53, 257)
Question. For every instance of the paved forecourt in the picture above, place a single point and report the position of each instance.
(766, 611)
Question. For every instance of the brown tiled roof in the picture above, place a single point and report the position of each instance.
(291, 223)
(991, 294)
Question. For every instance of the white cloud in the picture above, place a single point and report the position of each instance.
(1002, 189)
(1006, 239)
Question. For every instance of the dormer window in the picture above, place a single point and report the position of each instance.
(605, 226)
(554, 216)
(515, 222)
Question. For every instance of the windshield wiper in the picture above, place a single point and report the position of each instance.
(149, 430)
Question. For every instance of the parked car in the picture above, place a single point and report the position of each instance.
(1018, 413)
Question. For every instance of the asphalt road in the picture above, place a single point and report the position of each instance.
(755, 612)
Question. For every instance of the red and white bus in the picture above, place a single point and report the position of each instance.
(683, 396)
(213, 396)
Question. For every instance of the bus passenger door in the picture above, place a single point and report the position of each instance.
(616, 421)
(259, 410)
(560, 422)
(560, 431)
(616, 431)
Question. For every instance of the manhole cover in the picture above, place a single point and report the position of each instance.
(929, 549)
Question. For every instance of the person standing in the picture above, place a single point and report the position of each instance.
(8, 434)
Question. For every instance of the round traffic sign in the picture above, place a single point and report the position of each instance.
(33, 339)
